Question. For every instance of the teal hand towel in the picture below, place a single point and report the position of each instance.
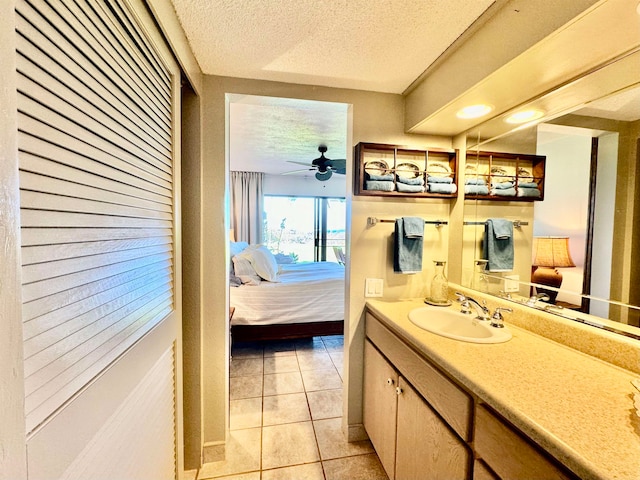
(498, 245)
(407, 248)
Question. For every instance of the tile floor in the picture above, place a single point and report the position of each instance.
(285, 416)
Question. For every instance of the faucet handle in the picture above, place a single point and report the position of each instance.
(497, 319)
(464, 303)
(534, 298)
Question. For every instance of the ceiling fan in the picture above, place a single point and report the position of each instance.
(325, 167)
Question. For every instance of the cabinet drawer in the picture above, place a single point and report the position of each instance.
(509, 453)
(449, 400)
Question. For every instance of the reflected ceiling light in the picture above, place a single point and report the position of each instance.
(474, 111)
(524, 116)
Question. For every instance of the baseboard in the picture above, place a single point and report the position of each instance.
(213, 452)
(356, 433)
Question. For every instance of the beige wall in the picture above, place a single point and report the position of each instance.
(375, 117)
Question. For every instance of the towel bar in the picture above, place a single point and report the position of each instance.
(371, 221)
(516, 223)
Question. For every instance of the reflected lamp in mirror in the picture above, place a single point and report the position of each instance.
(550, 253)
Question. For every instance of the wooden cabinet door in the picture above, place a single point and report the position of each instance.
(380, 403)
(426, 447)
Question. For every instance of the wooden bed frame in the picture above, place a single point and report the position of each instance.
(252, 333)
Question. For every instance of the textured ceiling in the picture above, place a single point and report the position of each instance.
(378, 45)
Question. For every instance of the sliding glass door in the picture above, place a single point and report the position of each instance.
(306, 228)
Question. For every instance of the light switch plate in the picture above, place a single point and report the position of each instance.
(372, 287)
(511, 283)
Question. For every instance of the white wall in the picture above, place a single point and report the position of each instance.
(307, 185)
(564, 211)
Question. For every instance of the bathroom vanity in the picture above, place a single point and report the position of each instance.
(530, 408)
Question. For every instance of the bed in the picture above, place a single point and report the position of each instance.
(284, 301)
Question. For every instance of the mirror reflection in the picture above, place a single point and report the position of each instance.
(575, 249)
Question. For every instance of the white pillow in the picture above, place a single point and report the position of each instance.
(236, 247)
(262, 260)
(244, 271)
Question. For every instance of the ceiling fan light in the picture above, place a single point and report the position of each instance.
(324, 176)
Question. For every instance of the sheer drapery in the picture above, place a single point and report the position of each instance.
(246, 206)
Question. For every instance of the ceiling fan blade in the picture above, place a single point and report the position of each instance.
(337, 164)
(292, 172)
(299, 163)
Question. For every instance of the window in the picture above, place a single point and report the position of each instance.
(306, 228)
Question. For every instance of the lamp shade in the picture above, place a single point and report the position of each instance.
(551, 252)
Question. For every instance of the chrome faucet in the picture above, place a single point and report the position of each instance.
(497, 319)
(533, 300)
(482, 312)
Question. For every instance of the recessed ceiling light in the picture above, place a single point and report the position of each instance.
(524, 116)
(474, 111)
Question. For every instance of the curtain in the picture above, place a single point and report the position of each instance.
(246, 206)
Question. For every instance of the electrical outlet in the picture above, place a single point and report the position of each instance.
(511, 283)
(372, 287)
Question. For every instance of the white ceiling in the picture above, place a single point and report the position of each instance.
(378, 45)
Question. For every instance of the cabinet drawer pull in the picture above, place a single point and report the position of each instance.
(389, 381)
(398, 391)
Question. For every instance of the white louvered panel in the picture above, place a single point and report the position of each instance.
(60, 356)
(58, 78)
(48, 22)
(96, 179)
(47, 253)
(129, 53)
(55, 327)
(87, 78)
(81, 182)
(70, 105)
(37, 404)
(36, 236)
(34, 120)
(73, 302)
(138, 436)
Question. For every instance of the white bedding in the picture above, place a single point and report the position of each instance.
(306, 292)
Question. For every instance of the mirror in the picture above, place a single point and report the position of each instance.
(591, 196)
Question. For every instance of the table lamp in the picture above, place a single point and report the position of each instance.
(550, 253)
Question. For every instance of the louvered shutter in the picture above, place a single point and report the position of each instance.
(96, 190)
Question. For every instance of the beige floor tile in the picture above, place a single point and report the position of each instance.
(314, 360)
(332, 443)
(338, 361)
(334, 343)
(282, 383)
(287, 445)
(245, 366)
(310, 344)
(242, 455)
(327, 379)
(245, 413)
(249, 386)
(325, 404)
(242, 476)
(279, 348)
(284, 364)
(247, 350)
(309, 471)
(281, 409)
(361, 467)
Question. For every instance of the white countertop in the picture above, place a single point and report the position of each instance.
(577, 407)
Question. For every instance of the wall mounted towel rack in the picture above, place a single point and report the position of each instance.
(371, 221)
(516, 223)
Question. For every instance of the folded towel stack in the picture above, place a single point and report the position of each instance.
(383, 183)
(475, 186)
(528, 189)
(503, 189)
(441, 184)
(410, 185)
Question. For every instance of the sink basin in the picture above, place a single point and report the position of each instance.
(453, 324)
